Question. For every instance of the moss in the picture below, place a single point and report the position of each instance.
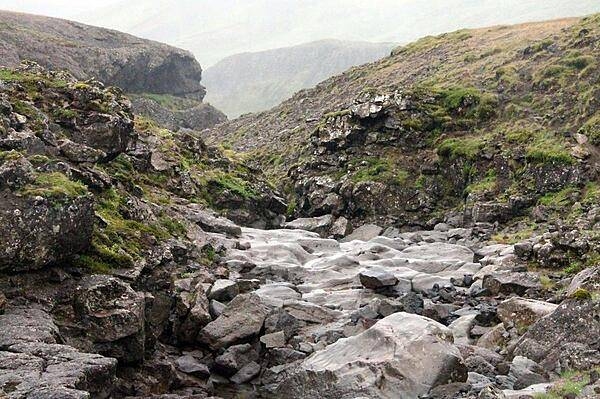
(513, 238)
(11, 155)
(465, 147)
(559, 199)
(227, 181)
(547, 148)
(30, 80)
(487, 184)
(591, 194)
(581, 294)
(54, 185)
(380, 170)
(64, 113)
(570, 384)
(173, 226)
(337, 114)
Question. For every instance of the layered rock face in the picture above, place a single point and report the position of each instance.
(133, 64)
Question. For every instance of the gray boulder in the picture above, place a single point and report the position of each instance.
(402, 356)
(565, 339)
(364, 233)
(242, 319)
(113, 315)
(377, 279)
(36, 231)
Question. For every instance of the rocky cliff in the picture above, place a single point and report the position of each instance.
(133, 64)
(252, 82)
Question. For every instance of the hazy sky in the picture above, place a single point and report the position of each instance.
(214, 29)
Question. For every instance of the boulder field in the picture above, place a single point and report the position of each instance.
(289, 314)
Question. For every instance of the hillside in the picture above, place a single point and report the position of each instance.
(253, 82)
(483, 116)
(133, 64)
(214, 30)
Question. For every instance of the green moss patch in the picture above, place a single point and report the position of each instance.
(55, 185)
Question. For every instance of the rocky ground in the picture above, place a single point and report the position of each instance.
(288, 314)
(137, 261)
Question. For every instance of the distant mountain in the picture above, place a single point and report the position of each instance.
(215, 29)
(251, 82)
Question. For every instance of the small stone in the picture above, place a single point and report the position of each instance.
(247, 373)
(273, 340)
(223, 290)
(190, 365)
(374, 279)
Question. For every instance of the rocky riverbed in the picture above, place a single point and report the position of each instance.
(289, 314)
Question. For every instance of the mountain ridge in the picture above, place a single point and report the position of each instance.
(251, 82)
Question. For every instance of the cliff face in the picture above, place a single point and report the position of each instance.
(134, 64)
(252, 82)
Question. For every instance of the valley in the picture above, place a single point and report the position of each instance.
(423, 226)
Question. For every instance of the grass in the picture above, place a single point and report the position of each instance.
(234, 184)
(591, 129)
(570, 383)
(487, 184)
(55, 185)
(547, 148)
(464, 147)
(380, 170)
(559, 199)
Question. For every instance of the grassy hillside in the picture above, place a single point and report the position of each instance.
(505, 116)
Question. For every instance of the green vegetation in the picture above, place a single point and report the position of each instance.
(513, 238)
(227, 181)
(582, 294)
(570, 383)
(118, 242)
(30, 80)
(592, 129)
(559, 199)
(54, 185)
(11, 155)
(547, 148)
(380, 170)
(487, 184)
(463, 147)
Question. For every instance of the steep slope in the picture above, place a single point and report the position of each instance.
(492, 123)
(213, 29)
(133, 64)
(252, 82)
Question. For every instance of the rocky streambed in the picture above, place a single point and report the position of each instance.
(289, 314)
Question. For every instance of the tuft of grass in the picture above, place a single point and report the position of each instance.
(559, 199)
(465, 147)
(55, 185)
(227, 181)
(547, 148)
(380, 170)
(487, 184)
(591, 129)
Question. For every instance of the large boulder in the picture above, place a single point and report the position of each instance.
(565, 339)
(523, 312)
(402, 356)
(36, 231)
(33, 365)
(242, 319)
(113, 316)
